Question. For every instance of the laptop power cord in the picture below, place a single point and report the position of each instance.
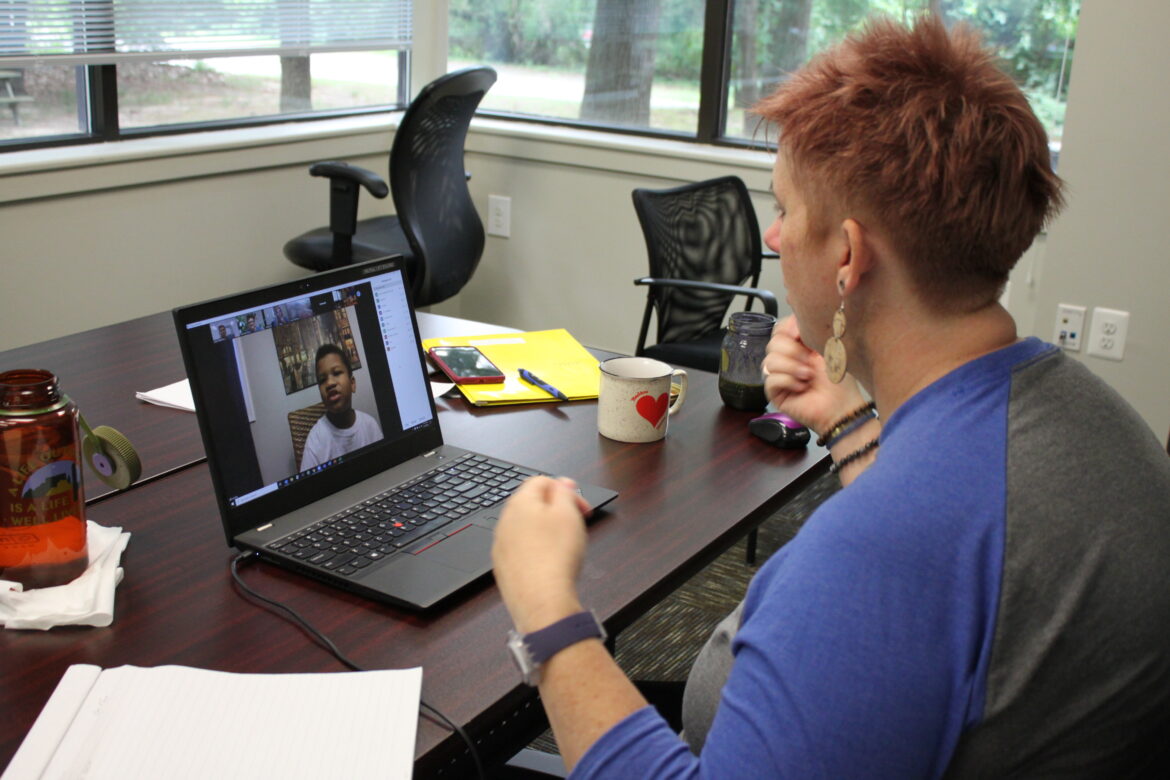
(290, 614)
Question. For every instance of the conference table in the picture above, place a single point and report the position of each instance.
(681, 503)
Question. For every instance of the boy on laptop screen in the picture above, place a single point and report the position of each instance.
(342, 428)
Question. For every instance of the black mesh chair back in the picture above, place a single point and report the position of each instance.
(429, 184)
(436, 229)
(706, 236)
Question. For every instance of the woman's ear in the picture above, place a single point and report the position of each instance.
(857, 255)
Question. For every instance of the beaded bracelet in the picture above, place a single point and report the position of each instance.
(836, 431)
(853, 456)
(850, 428)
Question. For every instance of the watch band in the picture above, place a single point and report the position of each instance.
(549, 641)
(531, 651)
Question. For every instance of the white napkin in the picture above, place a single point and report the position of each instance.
(87, 601)
(176, 395)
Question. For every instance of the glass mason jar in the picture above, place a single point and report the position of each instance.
(741, 381)
(42, 505)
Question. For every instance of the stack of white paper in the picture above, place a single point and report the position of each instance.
(177, 722)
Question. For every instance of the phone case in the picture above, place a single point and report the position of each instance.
(459, 379)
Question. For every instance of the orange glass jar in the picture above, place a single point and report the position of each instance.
(42, 503)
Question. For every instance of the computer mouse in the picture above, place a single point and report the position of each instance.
(780, 430)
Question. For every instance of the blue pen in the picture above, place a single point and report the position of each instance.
(533, 379)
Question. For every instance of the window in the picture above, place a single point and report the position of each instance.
(693, 67)
(106, 69)
(631, 64)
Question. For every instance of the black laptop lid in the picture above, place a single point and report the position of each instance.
(252, 361)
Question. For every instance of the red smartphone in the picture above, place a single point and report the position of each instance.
(466, 365)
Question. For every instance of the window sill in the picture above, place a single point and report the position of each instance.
(70, 170)
(47, 173)
(614, 152)
(184, 144)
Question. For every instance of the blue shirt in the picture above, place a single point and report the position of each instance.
(866, 642)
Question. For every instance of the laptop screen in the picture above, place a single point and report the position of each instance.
(306, 387)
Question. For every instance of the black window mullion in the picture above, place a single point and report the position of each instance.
(713, 75)
(102, 101)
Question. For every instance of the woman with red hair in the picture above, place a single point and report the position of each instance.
(989, 594)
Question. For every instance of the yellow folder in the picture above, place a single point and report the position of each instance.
(553, 355)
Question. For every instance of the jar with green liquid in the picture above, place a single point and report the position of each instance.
(741, 380)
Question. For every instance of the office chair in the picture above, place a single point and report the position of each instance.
(703, 242)
(436, 229)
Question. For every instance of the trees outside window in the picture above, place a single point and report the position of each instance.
(647, 65)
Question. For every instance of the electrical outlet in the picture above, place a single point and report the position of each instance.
(1070, 326)
(499, 216)
(1107, 334)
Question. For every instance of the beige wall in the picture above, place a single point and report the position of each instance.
(96, 235)
(1107, 249)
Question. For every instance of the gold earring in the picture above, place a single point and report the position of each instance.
(835, 360)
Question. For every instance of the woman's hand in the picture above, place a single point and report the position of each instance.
(538, 550)
(796, 383)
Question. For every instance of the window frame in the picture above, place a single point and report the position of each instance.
(97, 92)
(97, 102)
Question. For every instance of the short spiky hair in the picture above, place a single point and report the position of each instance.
(333, 349)
(919, 130)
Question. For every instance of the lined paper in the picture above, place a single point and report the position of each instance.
(180, 722)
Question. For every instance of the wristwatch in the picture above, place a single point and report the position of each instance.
(531, 651)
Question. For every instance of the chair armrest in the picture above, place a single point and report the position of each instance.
(331, 170)
(344, 180)
(765, 296)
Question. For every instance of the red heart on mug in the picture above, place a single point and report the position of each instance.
(653, 409)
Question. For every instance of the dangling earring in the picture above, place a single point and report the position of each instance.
(835, 360)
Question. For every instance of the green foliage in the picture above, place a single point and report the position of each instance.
(521, 32)
(1035, 38)
(679, 50)
(683, 58)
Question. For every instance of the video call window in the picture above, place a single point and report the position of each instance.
(298, 425)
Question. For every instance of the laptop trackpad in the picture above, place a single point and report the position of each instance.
(468, 550)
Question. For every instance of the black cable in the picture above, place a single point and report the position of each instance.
(286, 611)
(145, 481)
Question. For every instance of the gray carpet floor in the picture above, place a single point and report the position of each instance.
(663, 643)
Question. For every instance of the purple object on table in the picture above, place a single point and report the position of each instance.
(780, 430)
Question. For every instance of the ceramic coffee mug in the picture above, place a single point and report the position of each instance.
(635, 399)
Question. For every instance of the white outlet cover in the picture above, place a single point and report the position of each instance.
(1107, 333)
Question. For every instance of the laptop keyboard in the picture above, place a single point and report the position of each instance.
(395, 520)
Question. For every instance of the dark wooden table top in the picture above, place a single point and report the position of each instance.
(682, 502)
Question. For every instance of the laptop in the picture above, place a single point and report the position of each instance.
(324, 443)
